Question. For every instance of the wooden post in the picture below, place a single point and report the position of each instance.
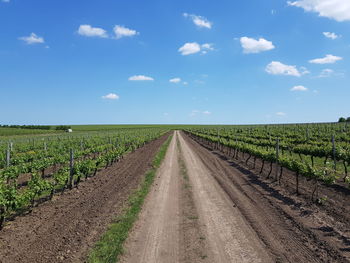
(71, 165)
(334, 153)
(45, 146)
(218, 139)
(277, 155)
(8, 157)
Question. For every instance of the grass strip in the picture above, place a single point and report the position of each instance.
(109, 248)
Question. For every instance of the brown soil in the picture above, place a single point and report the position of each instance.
(292, 228)
(168, 229)
(193, 224)
(65, 229)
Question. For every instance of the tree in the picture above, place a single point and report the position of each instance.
(342, 119)
(348, 119)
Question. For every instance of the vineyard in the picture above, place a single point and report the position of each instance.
(320, 152)
(262, 193)
(33, 169)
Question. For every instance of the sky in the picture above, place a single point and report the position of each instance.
(174, 62)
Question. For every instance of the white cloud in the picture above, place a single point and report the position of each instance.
(330, 35)
(250, 45)
(33, 39)
(325, 73)
(194, 47)
(175, 80)
(278, 68)
(206, 112)
(338, 10)
(185, 83)
(328, 59)
(207, 46)
(299, 88)
(111, 96)
(140, 78)
(280, 113)
(190, 48)
(89, 31)
(199, 21)
(5, 1)
(121, 31)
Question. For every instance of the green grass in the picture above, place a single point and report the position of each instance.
(110, 246)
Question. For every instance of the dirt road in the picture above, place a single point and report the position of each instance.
(235, 217)
(157, 234)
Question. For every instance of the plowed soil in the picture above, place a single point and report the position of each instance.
(237, 216)
(65, 229)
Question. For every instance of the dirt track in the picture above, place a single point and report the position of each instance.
(239, 218)
(64, 229)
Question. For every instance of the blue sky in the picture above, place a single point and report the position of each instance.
(225, 62)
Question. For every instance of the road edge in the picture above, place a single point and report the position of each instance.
(110, 246)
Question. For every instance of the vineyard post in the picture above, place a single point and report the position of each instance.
(71, 165)
(218, 138)
(334, 153)
(45, 146)
(277, 155)
(8, 157)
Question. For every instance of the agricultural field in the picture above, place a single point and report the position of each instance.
(296, 171)
(35, 168)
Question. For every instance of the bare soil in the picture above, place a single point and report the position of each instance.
(292, 228)
(65, 229)
(168, 229)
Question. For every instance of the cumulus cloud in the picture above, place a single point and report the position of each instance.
(338, 10)
(199, 21)
(278, 68)
(140, 78)
(33, 39)
(299, 88)
(190, 48)
(111, 96)
(330, 35)
(89, 31)
(194, 47)
(175, 80)
(328, 59)
(206, 112)
(251, 45)
(121, 31)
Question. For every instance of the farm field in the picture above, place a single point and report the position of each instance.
(222, 194)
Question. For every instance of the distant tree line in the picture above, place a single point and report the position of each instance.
(342, 119)
(38, 127)
(63, 127)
